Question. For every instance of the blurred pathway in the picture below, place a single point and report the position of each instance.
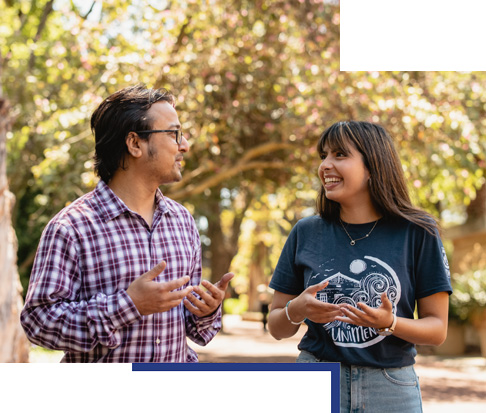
(449, 384)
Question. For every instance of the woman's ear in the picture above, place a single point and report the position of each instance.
(133, 142)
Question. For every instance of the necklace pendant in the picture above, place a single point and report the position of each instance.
(352, 242)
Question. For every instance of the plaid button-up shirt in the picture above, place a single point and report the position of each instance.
(88, 256)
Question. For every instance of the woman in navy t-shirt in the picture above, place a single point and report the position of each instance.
(356, 272)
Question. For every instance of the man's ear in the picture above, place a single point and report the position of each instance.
(134, 147)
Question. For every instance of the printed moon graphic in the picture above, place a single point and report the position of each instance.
(357, 266)
(366, 280)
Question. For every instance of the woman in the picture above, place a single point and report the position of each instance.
(356, 272)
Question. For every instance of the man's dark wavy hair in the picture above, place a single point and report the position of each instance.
(118, 115)
(388, 188)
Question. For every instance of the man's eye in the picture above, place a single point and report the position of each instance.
(175, 134)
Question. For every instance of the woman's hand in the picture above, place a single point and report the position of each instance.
(366, 316)
(307, 306)
(302, 306)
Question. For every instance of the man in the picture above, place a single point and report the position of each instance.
(117, 272)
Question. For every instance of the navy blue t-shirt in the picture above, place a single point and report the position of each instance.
(398, 257)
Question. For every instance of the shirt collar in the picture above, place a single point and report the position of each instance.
(163, 204)
(111, 206)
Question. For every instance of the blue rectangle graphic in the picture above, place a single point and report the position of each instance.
(334, 368)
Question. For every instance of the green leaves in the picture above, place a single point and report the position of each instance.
(256, 84)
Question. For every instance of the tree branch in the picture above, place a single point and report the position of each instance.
(223, 176)
(209, 166)
(160, 80)
(42, 24)
(264, 149)
(189, 177)
(89, 11)
(238, 219)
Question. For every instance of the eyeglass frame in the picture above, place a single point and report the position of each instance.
(178, 133)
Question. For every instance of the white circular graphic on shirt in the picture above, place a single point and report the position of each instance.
(445, 261)
(357, 266)
(368, 279)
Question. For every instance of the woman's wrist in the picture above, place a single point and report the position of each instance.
(292, 319)
(388, 331)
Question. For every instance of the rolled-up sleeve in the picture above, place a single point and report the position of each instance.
(53, 316)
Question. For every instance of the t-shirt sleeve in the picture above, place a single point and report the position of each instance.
(432, 272)
(288, 276)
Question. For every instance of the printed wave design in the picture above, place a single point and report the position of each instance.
(368, 278)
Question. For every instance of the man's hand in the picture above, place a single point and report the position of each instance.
(381, 317)
(209, 300)
(151, 297)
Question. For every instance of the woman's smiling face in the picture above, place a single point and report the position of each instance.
(344, 175)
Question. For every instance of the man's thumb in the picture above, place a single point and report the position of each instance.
(154, 272)
(222, 284)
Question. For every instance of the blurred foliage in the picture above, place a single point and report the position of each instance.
(256, 84)
(236, 306)
(469, 296)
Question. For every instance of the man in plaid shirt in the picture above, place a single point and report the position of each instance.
(117, 273)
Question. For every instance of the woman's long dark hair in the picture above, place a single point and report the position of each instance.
(388, 189)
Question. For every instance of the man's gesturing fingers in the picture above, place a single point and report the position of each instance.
(175, 284)
(154, 272)
(208, 301)
(154, 297)
(223, 283)
(197, 306)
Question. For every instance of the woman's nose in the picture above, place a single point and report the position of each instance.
(326, 164)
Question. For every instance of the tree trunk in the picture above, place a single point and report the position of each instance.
(221, 252)
(257, 275)
(13, 342)
(476, 210)
(224, 246)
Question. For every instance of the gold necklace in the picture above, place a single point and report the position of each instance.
(353, 241)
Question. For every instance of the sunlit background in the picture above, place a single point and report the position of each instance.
(256, 83)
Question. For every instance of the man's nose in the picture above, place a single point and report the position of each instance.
(184, 145)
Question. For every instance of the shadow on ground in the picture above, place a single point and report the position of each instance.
(233, 358)
(443, 380)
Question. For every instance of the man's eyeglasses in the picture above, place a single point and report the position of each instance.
(177, 133)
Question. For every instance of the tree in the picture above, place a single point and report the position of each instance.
(246, 75)
(256, 81)
(66, 66)
(13, 342)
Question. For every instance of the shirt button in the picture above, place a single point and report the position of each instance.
(157, 341)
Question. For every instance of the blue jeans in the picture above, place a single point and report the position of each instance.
(373, 390)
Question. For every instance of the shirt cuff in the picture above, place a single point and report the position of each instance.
(124, 311)
(211, 320)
